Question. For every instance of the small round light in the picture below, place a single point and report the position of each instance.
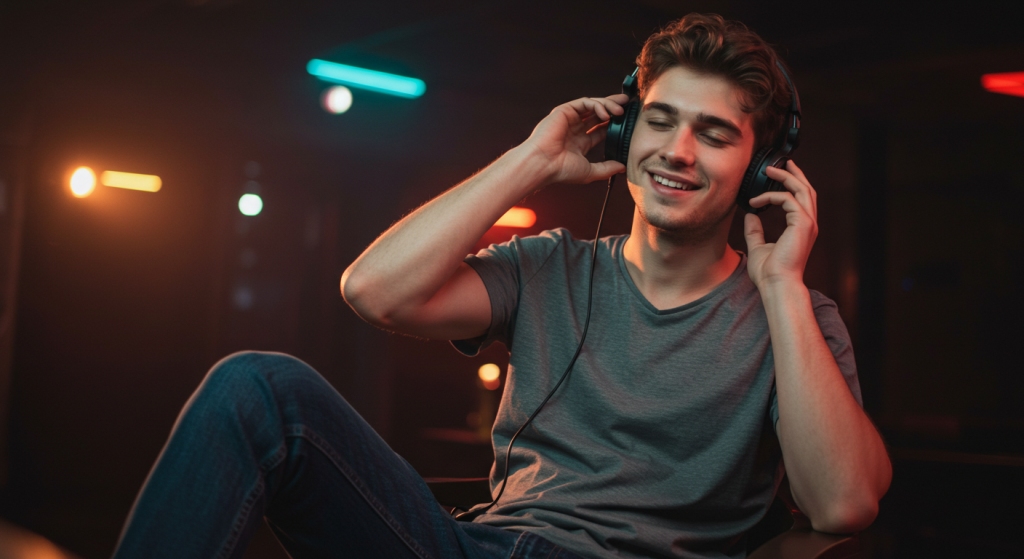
(489, 376)
(489, 372)
(83, 182)
(243, 298)
(250, 204)
(337, 99)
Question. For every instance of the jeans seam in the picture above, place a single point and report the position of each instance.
(515, 548)
(357, 483)
(243, 515)
(267, 464)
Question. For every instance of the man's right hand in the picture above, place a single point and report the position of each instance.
(565, 136)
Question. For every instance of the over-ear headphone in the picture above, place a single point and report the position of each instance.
(755, 181)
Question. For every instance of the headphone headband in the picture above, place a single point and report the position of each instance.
(790, 134)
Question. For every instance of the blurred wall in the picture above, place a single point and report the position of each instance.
(125, 299)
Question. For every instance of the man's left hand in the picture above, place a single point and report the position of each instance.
(784, 260)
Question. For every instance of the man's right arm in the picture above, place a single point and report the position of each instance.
(413, 280)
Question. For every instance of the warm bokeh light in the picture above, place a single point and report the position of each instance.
(1008, 83)
(83, 182)
(250, 204)
(337, 99)
(131, 181)
(517, 217)
(490, 374)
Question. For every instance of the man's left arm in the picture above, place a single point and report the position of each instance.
(836, 461)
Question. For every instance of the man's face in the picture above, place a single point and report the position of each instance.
(692, 136)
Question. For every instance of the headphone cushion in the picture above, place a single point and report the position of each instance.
(747, 189)
(628, 125)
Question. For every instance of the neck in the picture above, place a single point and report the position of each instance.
(671, 270)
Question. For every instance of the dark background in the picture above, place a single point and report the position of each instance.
(114, 306)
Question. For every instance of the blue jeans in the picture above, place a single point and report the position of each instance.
(266, 436)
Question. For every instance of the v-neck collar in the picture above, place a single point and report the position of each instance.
(725, 284)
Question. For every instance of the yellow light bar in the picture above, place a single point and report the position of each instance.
(133, 181)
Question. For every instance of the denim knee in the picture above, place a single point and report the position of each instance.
(252, 381)
(244, 369)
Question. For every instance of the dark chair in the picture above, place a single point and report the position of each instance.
(784, 533)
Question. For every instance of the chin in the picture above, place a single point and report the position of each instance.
(696, 226)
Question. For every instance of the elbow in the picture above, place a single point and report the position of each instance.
(847, 517)
(358, 291)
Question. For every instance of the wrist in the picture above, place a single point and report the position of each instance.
(783, 290)
(533, 163)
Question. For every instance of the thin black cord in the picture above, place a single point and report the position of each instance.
(579, 348)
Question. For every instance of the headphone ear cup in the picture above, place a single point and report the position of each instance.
(753, 180)
(620, 132)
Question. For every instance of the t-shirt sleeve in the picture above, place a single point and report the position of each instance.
(504, 269)
(838, 340)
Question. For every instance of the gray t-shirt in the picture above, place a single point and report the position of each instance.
(661, 442)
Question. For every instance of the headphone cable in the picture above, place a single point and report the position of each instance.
(579, 348)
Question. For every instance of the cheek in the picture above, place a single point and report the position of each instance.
(640, 147)
(728, 170)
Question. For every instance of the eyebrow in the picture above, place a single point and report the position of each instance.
(704, 118)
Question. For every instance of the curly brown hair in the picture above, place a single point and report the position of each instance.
(708, 43)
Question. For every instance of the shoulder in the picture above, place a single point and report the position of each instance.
(826, 311)
(820, 301)
(546, 244)
(550, 239)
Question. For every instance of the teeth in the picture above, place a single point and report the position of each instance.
(672, 184)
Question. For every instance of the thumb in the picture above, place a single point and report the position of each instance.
(753, 231)
(605, 169)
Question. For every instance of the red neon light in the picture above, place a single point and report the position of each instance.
(517, 217)
(1008, 83)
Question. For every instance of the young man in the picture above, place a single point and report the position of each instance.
(704, 369)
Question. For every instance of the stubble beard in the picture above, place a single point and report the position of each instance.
(699, 226)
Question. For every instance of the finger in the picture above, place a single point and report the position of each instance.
(614, 103)
(603, 108)
(796, 215)
(781, 175)
(798, 188)
(586, 106)
(753, 231)
(618, 98)
(785, 199)
(603, 170)
(796, 171)
(611, 104)
(792, 167)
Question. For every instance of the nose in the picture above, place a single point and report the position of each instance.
(680, 150)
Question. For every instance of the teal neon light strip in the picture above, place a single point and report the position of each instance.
(372, 80)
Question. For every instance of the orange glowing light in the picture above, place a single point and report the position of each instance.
(489, 374)
(83, 182)
(517, 217)
(131, 181)
(1008, 83)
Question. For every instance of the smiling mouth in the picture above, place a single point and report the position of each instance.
(673, 184)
